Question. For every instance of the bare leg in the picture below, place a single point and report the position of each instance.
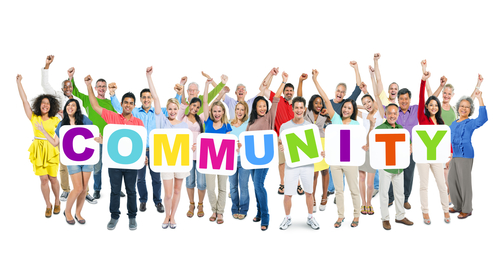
(369, 190)
(362, 187)
(314, 186)
(81, 198)
(76, 179)
(326, 178)
(287, 202)
(45, 190)
(309, 202)
(168, 187)
(54, 183)
(282, 173)
(175, 199)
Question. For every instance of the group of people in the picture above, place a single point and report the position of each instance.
(217, 112)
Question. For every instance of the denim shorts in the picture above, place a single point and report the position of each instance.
(79, 168)
(196, 179)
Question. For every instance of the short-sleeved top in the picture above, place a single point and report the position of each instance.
(238, 130)
(162, 122)
(336, 119)
(284, 112)
(291, 124)
(209, 127)
(461, 134)
(409, 119)
(115, 118)
(386, 125)
(354, 96)
(86, 121)
(49, 125)
(448, 116)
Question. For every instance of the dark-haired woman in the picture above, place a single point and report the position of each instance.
(261, 118)
(80, 174)
(43, 156)
(429, 113)
(347, 116)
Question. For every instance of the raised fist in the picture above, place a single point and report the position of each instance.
(179, 88)
(184, 80)
(376, 56)
(371, 70)
(303, 77)
(315, 73)
(284, 75)
(88, 80)
(363, 87)
(112, 88)
(19, 78)
(443, 80)
(426, 76)
(223, 79)
(353, 64)
(149, 70)
(71, 72)
(225, 89)
(49, 59)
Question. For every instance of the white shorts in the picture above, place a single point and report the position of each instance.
(292, 175)
(172, 175)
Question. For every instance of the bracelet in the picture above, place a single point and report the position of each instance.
(478, 88)
(284, 83)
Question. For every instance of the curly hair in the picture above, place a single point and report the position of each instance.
(37, 102)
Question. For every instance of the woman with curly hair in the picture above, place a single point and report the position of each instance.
(43, 156)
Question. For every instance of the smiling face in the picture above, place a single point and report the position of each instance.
(261, 108)
(367, 104)
(172, 110)
(339, 93)
(67, 88)
(347, 110)
(241, 92)
(464, 109)
(447, 95)
(404, 101)
(298, 110)
(71, 109)
(194, 108)
(146, 99)
(391, 113)
(318, 105)
(101, 89)
(192, 91)
(288, 92)
(393, 91)
(240, 112)
(217, 113)
(432, 107)
(45, 106)
(128, 105)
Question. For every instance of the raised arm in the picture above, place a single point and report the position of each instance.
(442, 83)
(284, 76)
(47, 88)
(205, 97)
(301, 80)
(93, 100)
(328, 104)
(154, 95)
(478, 85)
(114, 101)
(421, 101)
(423, 63)
(225, 90)
(26, 104)
(266, 83)
(208, 77)
(354, 64)
(380, 88)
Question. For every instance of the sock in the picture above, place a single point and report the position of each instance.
(309, 216)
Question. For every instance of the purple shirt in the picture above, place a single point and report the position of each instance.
(409, 119)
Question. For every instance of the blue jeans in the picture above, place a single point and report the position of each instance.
(141, 183)
(331, 187)
(97, 171)
(375, 181)
(196, 179)
(115, 178)
(258, 177)
(241, 200)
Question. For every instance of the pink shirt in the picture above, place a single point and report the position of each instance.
(114, 118)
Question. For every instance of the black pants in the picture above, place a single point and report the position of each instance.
(115, 178)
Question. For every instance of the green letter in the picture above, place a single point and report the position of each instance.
(431, 144)
(309, 149)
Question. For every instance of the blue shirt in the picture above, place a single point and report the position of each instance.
(209, 127)
(86, 121)
(461, 134)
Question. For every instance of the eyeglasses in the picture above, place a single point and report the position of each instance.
(464, 106)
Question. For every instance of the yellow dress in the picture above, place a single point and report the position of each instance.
(44, 156)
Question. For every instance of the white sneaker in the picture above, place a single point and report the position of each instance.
(375, 192)
(313, 223)
(90, 199)
(286, 223)
(64, 196)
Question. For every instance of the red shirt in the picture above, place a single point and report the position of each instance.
(114, 118)
(284, 113)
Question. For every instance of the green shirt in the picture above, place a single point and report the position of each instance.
(93, 116)
(386, 125)
(448, 115)
(211, 95)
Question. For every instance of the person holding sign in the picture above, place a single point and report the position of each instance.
(392, 176)
(115, 174)
(172, 196)
(216, 122)
(460, 179)
(262, 118)
(80, 174)
(43, 156)
(347, 116)
(292, 175)
(429, 113)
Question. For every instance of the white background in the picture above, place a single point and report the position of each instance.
(118, 40)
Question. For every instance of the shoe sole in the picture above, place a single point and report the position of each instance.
(63, 199)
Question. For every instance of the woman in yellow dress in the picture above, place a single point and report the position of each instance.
(43, 156)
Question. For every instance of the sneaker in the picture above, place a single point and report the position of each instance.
(97, 194)
(90, 199)
(286, 223)
(112, 224)
(160, 208)
(122, 194)
(64, 196)
(330, 193)
(375, 192)
(132, 224)
(313, 223)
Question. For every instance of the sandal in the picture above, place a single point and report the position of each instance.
(363, 210)
(200, 210)
(354, 224)
(241, 216)
(281, 190)
(300, 191)
(190, 212)
(264, 227)
(370, 210)
(447, 220)
(338, 224)
(213, 217)
(236, 216)
(322, 206)
(220, 220)
(256, 219)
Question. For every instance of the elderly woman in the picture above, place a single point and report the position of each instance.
(460, 166)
